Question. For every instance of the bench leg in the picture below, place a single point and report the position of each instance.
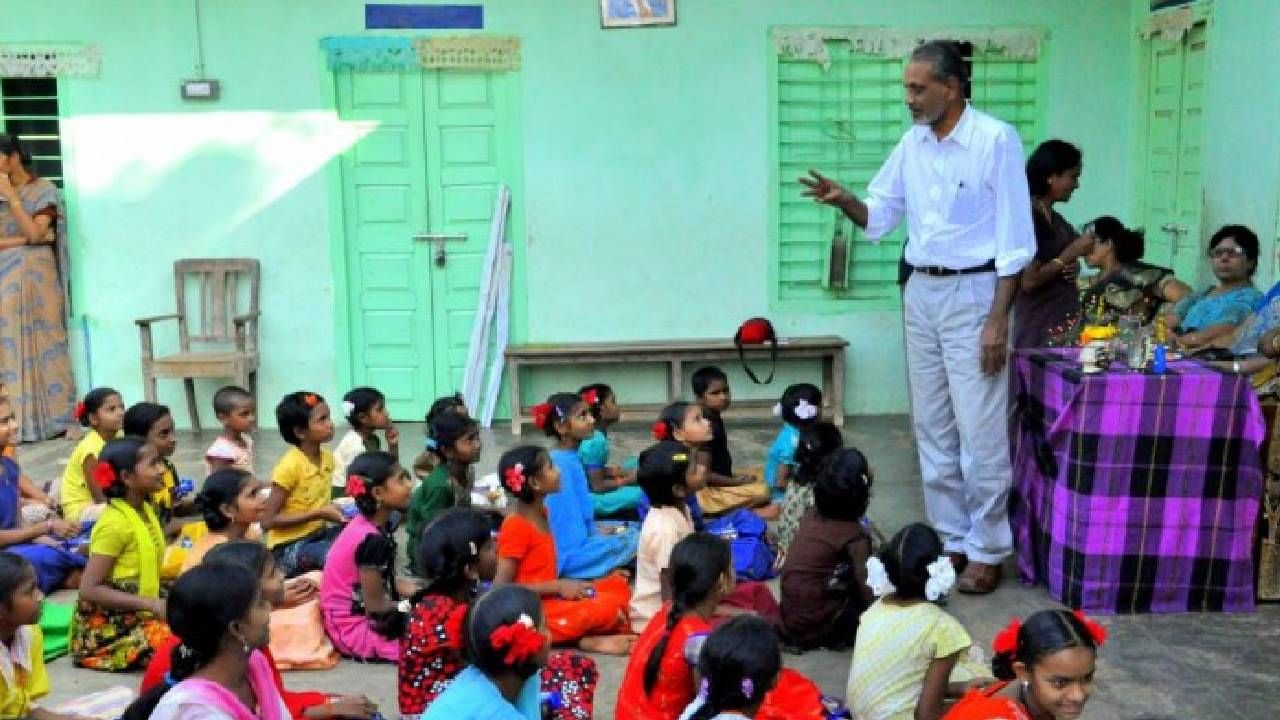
(513, 389)
(190, 385)
(675, 380)
(834, 374)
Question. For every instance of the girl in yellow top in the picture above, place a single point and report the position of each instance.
(103, 411)
(119, 619)
(23, 679)
(300, 520)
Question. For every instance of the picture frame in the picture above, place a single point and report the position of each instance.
(637, 13)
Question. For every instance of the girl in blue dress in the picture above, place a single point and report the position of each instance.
(584, 550)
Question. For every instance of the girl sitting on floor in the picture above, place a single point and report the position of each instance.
(300, 521)
(41, 543)
(591, 614)
(1046, 667)
(232, 503)
(669, 477)
(685, 423)
(907, 646)
(799, 408)
(427, 460)
(824, 578)
(360, 594)
(457, 553)
(23, 678)
(365, 409)
(815, 445)
(119, 618)
(585, 550)
(256, 558)
(739, 664)
(153, 422)
(454, 440)
(219, 670)
(506, 641)
(613, 488)
(82, 500)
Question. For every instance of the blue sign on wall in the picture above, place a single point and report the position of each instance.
(423, 17)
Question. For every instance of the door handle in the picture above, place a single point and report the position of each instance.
(440, 239)
(1174, 228)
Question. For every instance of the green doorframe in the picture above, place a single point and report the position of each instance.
(343, 363)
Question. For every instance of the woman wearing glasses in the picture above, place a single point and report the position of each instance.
(1207, 317)
(1124, 284)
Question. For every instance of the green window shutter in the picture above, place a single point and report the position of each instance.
(844, 121)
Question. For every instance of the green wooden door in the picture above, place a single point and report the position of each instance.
(1173, 195)
(423, 176)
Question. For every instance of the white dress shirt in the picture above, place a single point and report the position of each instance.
(965, 197)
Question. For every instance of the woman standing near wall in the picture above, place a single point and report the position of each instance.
(34, 360)
(1049, 303)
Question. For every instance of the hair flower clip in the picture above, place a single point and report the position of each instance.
(661, 431)
(878, 578)
(777, 410)
(355, 486)
(311, 399)
(591, 397)
(431, 444)
(805, 410)
(942, 577)
(348, 409)
(78, 413)
(541, 414)
(520, 639)
(514, 476)
(104, 475)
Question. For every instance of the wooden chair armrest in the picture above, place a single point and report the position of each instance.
(144, 322)
(243, 343)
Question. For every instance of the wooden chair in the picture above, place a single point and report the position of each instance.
(221, 341)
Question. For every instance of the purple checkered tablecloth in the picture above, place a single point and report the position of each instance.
(1135, 492)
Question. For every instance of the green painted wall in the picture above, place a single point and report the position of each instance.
(645, 166)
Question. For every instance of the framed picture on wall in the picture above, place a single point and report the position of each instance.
(637, 13)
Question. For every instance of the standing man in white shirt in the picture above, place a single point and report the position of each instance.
(959, 178)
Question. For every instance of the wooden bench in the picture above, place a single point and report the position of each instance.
(674, 354)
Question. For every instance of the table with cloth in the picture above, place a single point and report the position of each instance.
(1135, 492)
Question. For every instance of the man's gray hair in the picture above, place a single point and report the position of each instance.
(945, 58)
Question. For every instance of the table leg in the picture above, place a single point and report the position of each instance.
(513, 388)
(836, 373)
(675, 380)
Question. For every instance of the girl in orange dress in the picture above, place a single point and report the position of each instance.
(1046, 666)
(591, 614)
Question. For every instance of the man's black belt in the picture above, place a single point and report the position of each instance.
(936, 271)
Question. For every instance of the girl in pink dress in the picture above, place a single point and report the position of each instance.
(360, 597)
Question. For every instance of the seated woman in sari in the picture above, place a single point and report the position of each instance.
(1202, 318)
(1125, 285)
(1046, 667)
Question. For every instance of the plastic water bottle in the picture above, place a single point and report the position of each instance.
(551, 702)
(1160, 360)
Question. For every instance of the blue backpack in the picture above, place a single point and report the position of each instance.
(753, 557)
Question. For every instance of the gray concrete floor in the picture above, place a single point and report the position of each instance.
(1205, 666)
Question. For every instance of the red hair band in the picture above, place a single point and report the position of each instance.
(1006, 641)
(78, 413)
(104, 475)
(591, 397)
(355, 486)
(520, 639)
(661, 431)
(1096, 631)
(310, 399)
(514, 476)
